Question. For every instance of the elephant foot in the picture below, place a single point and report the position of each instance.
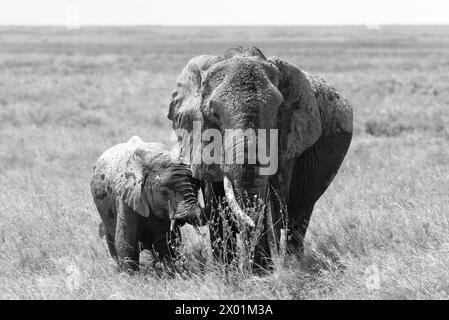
(262, 263)
(297, 230)
(128, 259)
(127, 265)
(295, 244)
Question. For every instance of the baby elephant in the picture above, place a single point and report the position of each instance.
(142, 193)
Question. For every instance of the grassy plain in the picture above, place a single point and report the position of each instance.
(381, 231)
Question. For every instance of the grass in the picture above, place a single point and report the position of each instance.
(381, 231)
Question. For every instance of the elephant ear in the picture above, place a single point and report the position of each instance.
(185, 109)
(186, 98)
(131, 178)
(299, 109)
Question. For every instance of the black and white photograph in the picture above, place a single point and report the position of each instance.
(232, 150)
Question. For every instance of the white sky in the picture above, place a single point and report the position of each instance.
(224, 12)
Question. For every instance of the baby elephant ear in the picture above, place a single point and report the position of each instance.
(130, 185)
(300, 106)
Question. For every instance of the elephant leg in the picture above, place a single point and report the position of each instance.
(223, 237)
(110, 240)
(223, 230)
(262, 258)
(156, 238)
(108, 217)
(297, 230)
(127, 236)
(167, 245)
(147, 238)
(268, 244)
(313, 172)
(161, 246)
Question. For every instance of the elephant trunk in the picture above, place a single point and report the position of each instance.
(191, 210)
(243, 182)
(248, 185)
(242, 176)
(252, 188)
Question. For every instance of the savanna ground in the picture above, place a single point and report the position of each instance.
(381, 231)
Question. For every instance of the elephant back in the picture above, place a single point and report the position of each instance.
(121, 171)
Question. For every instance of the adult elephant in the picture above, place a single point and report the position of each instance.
(245, 90)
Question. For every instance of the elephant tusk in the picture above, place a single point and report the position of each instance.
(270, 230)
(172, 217)
(201, 198)
(233, 205)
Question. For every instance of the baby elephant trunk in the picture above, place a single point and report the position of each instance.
(191, 210)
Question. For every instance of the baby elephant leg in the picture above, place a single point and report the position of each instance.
(165, 242)
(127, 236)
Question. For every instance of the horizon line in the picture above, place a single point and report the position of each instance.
(237, 25)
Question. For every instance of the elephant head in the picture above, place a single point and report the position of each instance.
(150, 181)
(174, 194)
(245, 90)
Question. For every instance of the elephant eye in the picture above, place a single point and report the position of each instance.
(164, 193)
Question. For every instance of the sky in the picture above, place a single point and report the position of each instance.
(225, 12)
